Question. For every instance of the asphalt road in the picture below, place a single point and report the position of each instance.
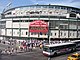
(34, 55)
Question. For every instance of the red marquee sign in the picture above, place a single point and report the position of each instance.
(38, 26)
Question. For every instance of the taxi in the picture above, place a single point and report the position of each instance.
(75, 56)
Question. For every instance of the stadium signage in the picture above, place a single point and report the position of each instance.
(38, 26)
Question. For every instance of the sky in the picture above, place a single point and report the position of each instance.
(16, 3)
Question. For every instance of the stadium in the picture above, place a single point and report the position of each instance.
(41, 22)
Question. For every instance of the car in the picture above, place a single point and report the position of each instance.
(75, 56)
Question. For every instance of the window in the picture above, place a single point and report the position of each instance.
(51, 6)
(26, 33)
(51, 34)
(40, 11)
(57, 7)
(31, 12)
(50, 12)
(63, 24)
(73, 34)
(55, 34)
(22, 33)
(72, 25)
(26, 20)
(21, 12)
(40, 33)
(35, 33)
(9, 13)
(38, 6)
(78, 34)
(69, 34)
(78, 23)
(44, 6)
(45, 34)
(64, 34)
(10, 32)
(31, 33)
(14, 32)
(63, 8)
(36, 12)
(43, 16)
(22, 20)
(61, 33)
(17, 32)
(44, 11)
(15, 20)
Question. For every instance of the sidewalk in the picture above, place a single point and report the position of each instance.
(33, 50)
(19, 52)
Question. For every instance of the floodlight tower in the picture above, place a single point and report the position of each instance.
(8, 6)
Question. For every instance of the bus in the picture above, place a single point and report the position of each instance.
(55, 49)
(77, 42)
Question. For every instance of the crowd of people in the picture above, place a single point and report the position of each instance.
(22, 46)
(27, 45)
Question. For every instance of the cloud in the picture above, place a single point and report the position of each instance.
(40, 0)
(74, 1)
(77, 4)
(1, 7)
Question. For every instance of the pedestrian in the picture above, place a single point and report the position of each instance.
(30, 47)
(8, 50)
(21, 47)
(40, 46)
(5, 51)
(16, 49)
(12, 50)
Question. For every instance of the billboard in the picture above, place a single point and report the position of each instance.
(38, 26)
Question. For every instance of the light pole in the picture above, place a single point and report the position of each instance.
(49, 31)
(49, 58)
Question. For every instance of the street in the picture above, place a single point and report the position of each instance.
(33, 55)
(37, 55)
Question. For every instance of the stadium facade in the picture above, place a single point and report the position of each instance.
(41, 22)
